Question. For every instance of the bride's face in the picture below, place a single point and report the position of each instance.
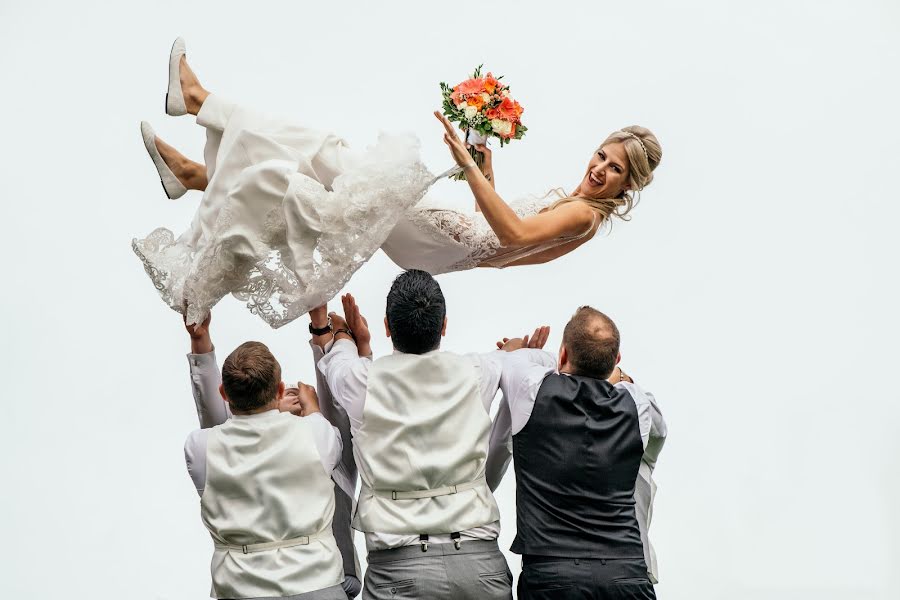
(607, 173)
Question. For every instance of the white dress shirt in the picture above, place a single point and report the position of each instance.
(347, 374)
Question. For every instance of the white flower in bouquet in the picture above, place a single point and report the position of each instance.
(501, 127)
(470, 111)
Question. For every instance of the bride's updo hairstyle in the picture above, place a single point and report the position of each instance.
(644, 153)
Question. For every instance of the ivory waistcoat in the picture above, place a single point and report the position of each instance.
(424, 427)
(265, 483)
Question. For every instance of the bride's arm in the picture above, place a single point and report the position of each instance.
(569, 219)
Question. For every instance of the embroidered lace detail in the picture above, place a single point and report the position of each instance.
(470, 231)
(293, 273)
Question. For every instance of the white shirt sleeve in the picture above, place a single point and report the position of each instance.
(499, 446)
(649, 416)
(206, 377)
(537, 356)
(491, 366)
(195, 457)
(345, 473)
(346, 374)
(328, 441)
(522, 378)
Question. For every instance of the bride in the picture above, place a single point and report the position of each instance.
(289, 213)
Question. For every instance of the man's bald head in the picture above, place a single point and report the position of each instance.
(591, 341)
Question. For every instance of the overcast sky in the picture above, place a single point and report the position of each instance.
(755, 288)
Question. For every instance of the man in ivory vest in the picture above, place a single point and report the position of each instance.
(585, 440)
(273, 531)
(420, 423)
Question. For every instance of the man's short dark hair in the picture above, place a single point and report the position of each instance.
(415, 312)
(250, 376)
(592, 342)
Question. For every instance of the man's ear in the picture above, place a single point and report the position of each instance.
(280, 393)
(387, 329)
(444, 328)
(563, 357)
(222, 393)
(618, 358)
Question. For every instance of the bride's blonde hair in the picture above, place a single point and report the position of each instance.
(643, 152)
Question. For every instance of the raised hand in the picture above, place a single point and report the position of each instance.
(535, 340)
(201, 342)
(457, 147)
(301, 400)
(358, 324)
(619, 375)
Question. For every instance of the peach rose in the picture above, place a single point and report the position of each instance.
(475, 100)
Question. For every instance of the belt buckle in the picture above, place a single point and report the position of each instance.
(244, 549)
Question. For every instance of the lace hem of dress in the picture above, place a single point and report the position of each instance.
(291, 276)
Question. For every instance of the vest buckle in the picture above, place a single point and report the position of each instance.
(244, 549)
(423, 540)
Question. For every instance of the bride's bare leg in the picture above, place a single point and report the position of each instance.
(192, 175)
(194, 93)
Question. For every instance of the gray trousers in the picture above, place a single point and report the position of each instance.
(335, 592)
(552, 578)
(477, 571)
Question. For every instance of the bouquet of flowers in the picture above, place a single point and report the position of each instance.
(483, 107)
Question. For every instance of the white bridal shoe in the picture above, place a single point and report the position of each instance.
(174, 97)
(173, 188)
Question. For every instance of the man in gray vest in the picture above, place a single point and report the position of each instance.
(420, 423)
(580, 435)
(213, 410)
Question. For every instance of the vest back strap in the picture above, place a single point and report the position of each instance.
(303, 540)
(441, 491)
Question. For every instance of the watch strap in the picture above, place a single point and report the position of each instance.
(320, 330)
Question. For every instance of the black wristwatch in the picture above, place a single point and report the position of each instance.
(320, 330)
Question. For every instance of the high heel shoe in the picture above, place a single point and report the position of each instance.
(174, 97)
(171, 185)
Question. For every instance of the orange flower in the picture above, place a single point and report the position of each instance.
(475, 100)
(508, 110)
(470, 86)
(491, 84)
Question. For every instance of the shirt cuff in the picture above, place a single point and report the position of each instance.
(201, 361)
(318, 350)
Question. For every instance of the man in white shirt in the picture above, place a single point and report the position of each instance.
(420, 424)
(582, 434)
(212, 410)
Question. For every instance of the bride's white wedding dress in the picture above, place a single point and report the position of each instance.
(290, 213)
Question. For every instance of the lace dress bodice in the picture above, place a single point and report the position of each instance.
(442, 240)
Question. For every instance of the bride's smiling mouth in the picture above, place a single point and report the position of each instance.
(594, 181)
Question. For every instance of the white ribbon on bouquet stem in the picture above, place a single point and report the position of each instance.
(476, 139)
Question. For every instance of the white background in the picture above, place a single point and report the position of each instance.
(755, 288)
